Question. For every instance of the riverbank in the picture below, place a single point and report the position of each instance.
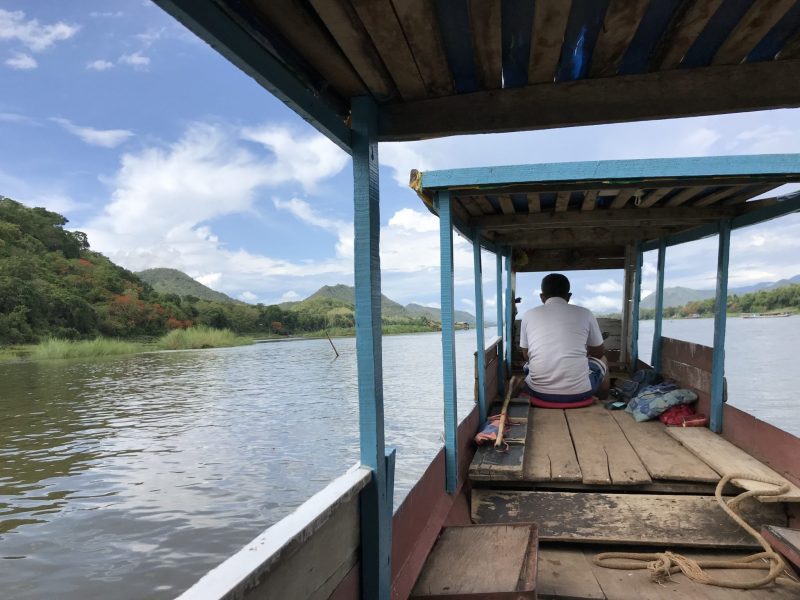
(179, 339)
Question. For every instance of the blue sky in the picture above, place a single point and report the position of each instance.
(167, 156)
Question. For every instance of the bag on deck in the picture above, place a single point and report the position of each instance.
(655, 399)
(640, 380)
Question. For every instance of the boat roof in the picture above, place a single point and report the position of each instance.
(458, 67)
(583, 215)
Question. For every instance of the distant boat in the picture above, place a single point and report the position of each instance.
(766, 315)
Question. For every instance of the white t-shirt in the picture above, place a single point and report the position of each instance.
(556, 335)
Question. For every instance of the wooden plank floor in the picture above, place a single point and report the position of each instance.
(649, 519)
(550, 456)
(568, 571)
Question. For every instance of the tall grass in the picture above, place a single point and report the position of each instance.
(56, 348)
(201, 337)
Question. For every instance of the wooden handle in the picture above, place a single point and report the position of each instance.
(512, 385)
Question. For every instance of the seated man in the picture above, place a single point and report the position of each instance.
(563, 347)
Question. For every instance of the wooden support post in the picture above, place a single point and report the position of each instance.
(509, 313)
(720, 316)
(637, 296)
(627, 304)
(448, 340)
(479, 325)
(501, 363)
(655, 356)
(377, 496)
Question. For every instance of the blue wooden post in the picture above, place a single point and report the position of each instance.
(501, 363)
(480, 341)
(377, 497)
(509, 314)
(637, 296)
(655, 357)
(720, 317)
(448, 340)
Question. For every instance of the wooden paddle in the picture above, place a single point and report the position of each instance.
(512, 386)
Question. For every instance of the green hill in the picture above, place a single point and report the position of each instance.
(679, 296)
(434, 314)
(347, 295)
(172, 281)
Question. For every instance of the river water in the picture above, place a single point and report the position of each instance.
(132, 476)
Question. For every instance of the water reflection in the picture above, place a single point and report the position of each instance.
(149, 470)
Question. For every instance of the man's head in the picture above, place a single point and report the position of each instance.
(555, 285)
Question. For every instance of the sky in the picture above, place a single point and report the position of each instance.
(166, 155)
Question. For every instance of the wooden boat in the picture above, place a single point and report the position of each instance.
(766, 315)
(364, 72)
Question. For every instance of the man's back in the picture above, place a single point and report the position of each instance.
(556, 335)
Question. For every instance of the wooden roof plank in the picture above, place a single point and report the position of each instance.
(762, 16)
(486, 206)
(506, 205)
(619, 26)
(421, 29)
(562, 201)
(622, 197)
(590, 200)
(486, 35)
(534, 202)
(470, 204)
(294, 22)
(346, 28)
(684, 196)
(684, 31)
(747, 194)
(384, 29)
(677, 93)
(549, 25)
(582, 237)
(791, 50)
(608, 217)
(653, 197)
(716, 196)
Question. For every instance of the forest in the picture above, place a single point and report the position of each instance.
(52, 284)
(785, 298)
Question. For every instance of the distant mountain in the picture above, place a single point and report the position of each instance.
(344, 296)
(172, 281)
(678, 296)
(434, 314)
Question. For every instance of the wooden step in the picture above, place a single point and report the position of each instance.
(490, 464)
(724, 458)
(480, 561)
(642, 519)
(786, 541)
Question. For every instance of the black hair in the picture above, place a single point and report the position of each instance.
(555, 285)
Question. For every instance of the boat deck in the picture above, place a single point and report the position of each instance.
(595, 480)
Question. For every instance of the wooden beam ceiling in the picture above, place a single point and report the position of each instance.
(692, 92)
(583, 237)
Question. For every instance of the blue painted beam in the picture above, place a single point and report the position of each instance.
(207, 20)
(720, 318)
(583, 27)
(509, 313)
(714, 34)
(655, 360)
(501, 364)
(630, 171)
(448, 340)
(788, 205)
(376, 499)
(516, 28)
(477, 269)
(637, 297)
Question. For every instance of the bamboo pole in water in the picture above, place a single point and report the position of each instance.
(331, 341)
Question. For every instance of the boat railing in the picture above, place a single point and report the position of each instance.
(320, 539)
(492, 355)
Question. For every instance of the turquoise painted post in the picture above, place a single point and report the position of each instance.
(720, 317)
(448, 340)
(477, 268)
(656, 354)
(509, 314)
(377, 497)
(501, 363)
(637, 296)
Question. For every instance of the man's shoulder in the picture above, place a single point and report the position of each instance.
(583, 311)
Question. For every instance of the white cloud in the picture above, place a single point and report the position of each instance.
(604, 287)
(209, 279)
(99, 65)
(600, 303)
(44, 194)
(289, 296)
(137, 60)
(402, 157)
(22, 62)
(248, 296)
(30, 33)
(414, 220)
(469, 303)
(106, 138)
(306, 159)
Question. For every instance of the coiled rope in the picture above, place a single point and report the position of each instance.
(664, 564)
